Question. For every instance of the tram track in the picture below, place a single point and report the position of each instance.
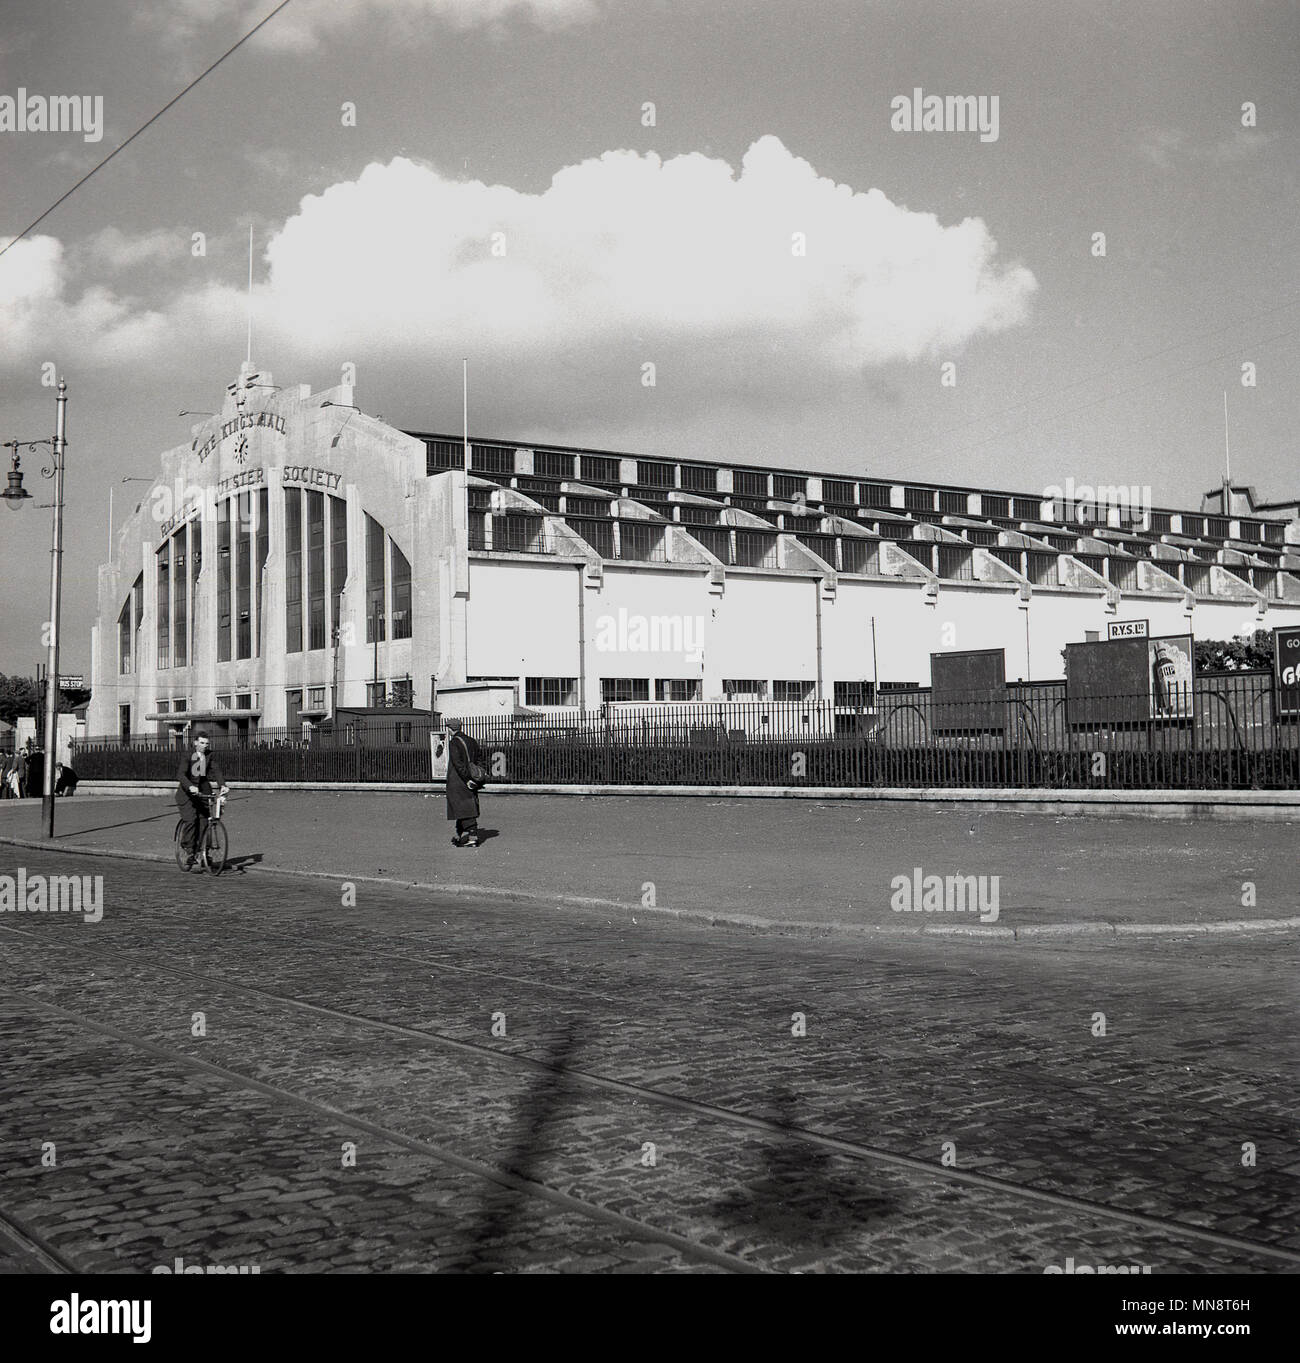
(513, 1182)
(421, 960)
(609, 1086)
(27, 1242)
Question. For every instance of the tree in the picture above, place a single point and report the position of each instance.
(20, 696)
(1235, 655)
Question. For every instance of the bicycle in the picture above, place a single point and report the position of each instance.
(210, 850)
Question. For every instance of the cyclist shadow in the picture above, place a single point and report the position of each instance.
(241, 864)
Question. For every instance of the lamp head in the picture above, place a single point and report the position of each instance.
(15, 494)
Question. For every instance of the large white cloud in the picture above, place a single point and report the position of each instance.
(771, 284)
(628, 252)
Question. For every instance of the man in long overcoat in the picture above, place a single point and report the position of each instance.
(462, 793)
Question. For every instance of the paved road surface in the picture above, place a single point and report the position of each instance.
(648, 1103)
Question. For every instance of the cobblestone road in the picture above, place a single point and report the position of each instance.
(255, 1071)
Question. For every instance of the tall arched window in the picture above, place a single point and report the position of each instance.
(164, 635)
(124, 638)
(315, 570)
(180, 601)
(374, 581)
(293, 569)
(224, 551)
(388, 586)
(401, 594)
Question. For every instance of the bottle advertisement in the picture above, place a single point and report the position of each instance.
(1169, 672)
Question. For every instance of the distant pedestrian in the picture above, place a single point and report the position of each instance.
(465, 778)
(65, 780)
(33, 776)
(11, 780)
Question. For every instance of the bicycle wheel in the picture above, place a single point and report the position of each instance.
(181, 855)
(216, 848)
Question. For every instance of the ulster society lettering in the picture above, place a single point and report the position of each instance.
(249, 478)
(309, 477)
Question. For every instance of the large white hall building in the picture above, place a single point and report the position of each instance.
(297, 555)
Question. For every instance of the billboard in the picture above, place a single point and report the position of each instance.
(1286, 672)
(1129, 681)
(968, 690)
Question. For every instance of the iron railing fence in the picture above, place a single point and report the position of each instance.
(374, 749)
(374, 730)
(689, 722)
(1218, 732)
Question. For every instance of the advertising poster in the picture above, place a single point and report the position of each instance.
(968, 690)
(1286, 672)
(1127, 681)
(438, 750)
(1170, 675)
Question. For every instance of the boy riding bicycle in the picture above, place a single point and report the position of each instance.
(199, 772)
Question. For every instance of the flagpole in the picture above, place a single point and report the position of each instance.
(1227, 452)
(1227, 460)
(249, 356)
(464, 378)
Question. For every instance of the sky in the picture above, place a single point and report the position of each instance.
(565, 192)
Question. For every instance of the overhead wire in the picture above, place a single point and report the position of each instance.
(122, 146)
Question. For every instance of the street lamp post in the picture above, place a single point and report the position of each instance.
(56, 593)
(15, 495)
